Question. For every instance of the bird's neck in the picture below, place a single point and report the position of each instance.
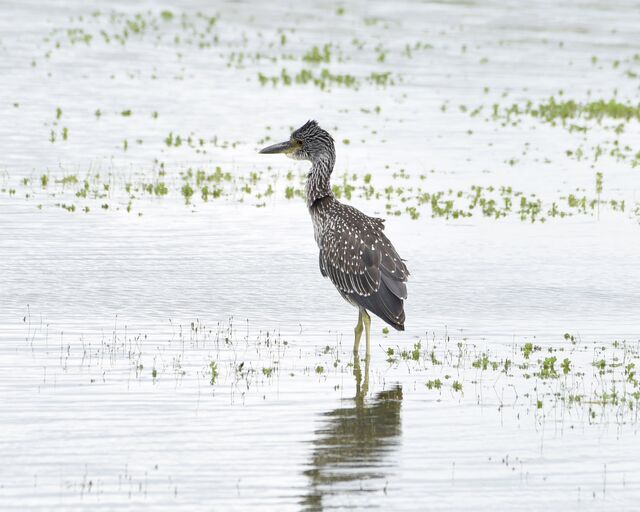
(319, 180)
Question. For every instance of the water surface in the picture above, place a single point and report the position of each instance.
(190, 356)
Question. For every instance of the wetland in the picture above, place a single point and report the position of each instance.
(166, 338)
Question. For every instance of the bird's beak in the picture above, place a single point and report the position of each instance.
(281, 147)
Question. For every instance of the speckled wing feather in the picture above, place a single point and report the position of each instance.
(361, 262)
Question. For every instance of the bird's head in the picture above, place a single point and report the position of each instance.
(309, 142)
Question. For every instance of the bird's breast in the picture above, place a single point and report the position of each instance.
(318, 221)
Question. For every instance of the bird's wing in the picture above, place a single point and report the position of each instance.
(358, 258)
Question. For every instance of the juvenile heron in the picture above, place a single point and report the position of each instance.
(354, 252)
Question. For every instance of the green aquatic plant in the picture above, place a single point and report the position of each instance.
(187, 192)
(599, 180)
(415, 199)
(160, 189)
(213, 368)
(548, 369)
(317, 55)
(434, 384)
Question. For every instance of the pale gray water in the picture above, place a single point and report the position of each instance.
(93, 304)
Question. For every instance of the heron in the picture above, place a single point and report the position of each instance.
(355, 254)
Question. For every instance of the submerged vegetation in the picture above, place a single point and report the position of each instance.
(567, 112)
(565, 379)
(199, 32)
(283, 57)
(590, 119)
(397, 198)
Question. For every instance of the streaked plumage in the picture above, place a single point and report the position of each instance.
(359, 260)
(355, 254)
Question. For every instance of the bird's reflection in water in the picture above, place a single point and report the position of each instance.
(350, 454)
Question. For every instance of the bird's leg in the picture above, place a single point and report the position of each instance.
(358, 333)
(357, 372)
(366, 319)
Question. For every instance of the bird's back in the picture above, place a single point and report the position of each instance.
(360, 260)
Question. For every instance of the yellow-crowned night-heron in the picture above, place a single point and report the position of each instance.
(354, 252)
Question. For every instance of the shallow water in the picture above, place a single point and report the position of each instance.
(192, 357)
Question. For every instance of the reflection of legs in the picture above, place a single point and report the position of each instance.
(357, 372)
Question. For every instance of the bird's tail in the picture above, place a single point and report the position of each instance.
(386, 305)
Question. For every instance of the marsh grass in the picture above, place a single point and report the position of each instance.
(592, 119)
(198, 186)
(565, 379)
